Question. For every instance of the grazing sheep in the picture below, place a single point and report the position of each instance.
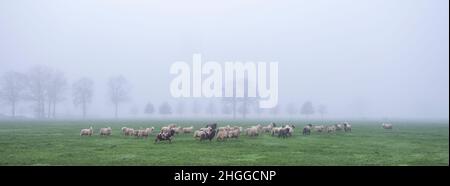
(105, 131)
(347, 127)
(387, 125)
(188, 129)
(87, 132)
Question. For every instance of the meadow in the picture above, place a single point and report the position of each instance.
(60, 143)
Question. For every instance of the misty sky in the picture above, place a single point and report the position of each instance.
(361, 58)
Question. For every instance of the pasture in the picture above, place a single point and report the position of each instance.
(59, 143)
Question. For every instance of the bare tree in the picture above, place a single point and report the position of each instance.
(37, 85)
(82, 93)
(322, 110)
(118, 92)
(307, 109)
(12, 87)
(55, 91)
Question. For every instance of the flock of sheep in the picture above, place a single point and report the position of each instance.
(210, 131)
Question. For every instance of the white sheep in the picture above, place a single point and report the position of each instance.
(188, 129)
(105, 131)
(387, 125)
(87, 132)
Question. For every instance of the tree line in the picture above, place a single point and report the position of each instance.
(45, 88)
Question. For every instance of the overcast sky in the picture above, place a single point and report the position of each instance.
(361, 58)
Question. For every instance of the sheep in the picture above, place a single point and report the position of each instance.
(222, 135)
(165, 129)
(129, 132)
(188, 129)
(268, 128)
(347, 127)
(124, 130)
(135, 133)
(283, 132)
(87, 132)
(259, 128)
(331, 128)
(234, 133)
(145, 133)
(307, 129)
(224, 128)
(290, 129)
(318, 128)
(203, 134)
(212, 132)
(177, 130)
(275, 130)
(252, 131)
(338, 127)
(105, 131)
(167, 135)
(198, 133)
(387, 125)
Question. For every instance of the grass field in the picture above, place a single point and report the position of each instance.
(59, 143)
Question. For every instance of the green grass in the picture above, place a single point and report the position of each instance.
(59, 143)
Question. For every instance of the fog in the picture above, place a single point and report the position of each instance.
(378, 59)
